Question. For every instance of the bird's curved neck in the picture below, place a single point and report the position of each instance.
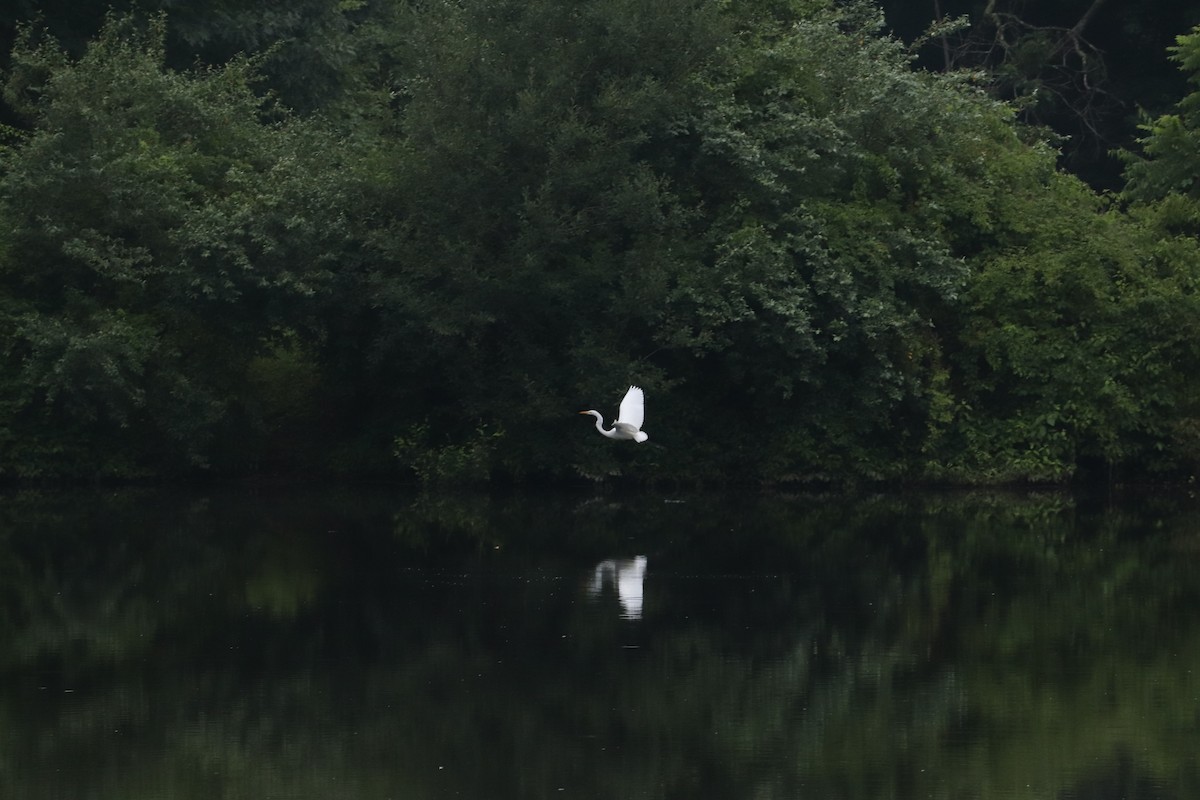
(600, 425)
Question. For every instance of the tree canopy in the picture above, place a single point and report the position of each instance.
(382, 238)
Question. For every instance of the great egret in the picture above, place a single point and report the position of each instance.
(629, 418)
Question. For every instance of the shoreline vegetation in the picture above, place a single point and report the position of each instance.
(409, 242)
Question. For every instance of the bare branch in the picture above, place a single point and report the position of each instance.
(1048, 69)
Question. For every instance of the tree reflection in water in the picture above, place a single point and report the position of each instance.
(369, 646)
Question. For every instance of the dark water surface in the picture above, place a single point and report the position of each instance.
(382, 645)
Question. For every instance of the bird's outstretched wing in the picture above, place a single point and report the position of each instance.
(633, 408)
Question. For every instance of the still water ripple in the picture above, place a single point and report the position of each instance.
(375, 645)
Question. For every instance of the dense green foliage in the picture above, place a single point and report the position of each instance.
(157, 245)
(423, 245)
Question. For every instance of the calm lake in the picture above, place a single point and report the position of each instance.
(380, 644)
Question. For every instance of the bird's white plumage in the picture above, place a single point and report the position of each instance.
(630, 417)
(633, 408)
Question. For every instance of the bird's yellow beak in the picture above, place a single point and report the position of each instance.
(581, 412)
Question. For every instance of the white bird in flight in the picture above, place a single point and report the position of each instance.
(629, 418)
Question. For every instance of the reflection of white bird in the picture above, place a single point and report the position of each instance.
(629, 574)
(629, 418)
